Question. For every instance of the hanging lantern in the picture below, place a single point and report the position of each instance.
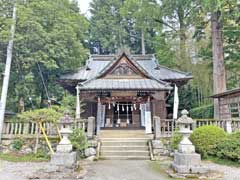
(117, 107)
(122, 107)
(113, 104)
(109, 106)
(127, 108)
(131, 108)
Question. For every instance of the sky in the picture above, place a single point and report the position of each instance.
(84, 6)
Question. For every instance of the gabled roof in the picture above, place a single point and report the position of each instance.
(97, 65)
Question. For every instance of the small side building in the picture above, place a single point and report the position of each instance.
(229, 104)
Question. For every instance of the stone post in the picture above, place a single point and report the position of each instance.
(157, 127)
(91, 127)
(229, 126)
(186, 161)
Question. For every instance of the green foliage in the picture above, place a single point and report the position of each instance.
(78, 139)
(202, 112)
(41, 115)
(17, 144)
(175, 140)
(49, 33)
(229, 148)
(206, 138)
(23, 157)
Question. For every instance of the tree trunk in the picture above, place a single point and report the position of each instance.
(184, 63)
(7, 72)
(219, 74)
(143, 43)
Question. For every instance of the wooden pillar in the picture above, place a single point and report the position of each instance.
(78, 105)
(99, 115)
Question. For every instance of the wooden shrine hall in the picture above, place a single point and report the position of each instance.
(123, 91)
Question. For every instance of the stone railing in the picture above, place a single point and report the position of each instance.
(12, 129)
(167, 126)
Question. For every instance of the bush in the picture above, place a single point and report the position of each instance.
(202, 112)
(17, 144)
(78, 139)
(229, 148)
(206, 138)
(175, 140)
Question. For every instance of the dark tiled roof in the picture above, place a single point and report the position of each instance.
(97, 64)
(125, 84)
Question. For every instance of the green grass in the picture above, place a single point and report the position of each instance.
(161, 167)
(16, 157)
(223, 161)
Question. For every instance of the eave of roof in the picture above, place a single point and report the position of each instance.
(124, 84)
(226, 93)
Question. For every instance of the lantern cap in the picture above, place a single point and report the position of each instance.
(184, 119)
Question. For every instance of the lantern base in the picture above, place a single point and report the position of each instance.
(188, 163)
(64, 159)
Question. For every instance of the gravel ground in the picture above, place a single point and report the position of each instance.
(106, 170)
(123, 170)
(18, 171)
(230, 173)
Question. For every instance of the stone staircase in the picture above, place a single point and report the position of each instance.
(124, 144)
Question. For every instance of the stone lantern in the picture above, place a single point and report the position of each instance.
(186, 160)
(64, 155)
(65, 145)
(184, 123)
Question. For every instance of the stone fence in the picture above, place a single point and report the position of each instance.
(12, 129)
(30, 129)
(167, 126)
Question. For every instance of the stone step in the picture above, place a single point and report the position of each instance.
(124, 143)
(124, 136)
(126, 157)
(121, 148)
(124, 153)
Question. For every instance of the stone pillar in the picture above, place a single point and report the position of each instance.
(91, 127)
(157, 127)
(99, 115)
(78, 106)
(229, 126)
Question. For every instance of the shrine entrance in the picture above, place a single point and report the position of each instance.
(122, 114)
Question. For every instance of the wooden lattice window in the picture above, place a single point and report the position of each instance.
(235, 110)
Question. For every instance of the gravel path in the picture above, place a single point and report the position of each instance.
(123, 170)
(107, 170)
(230, 173)
(19, 171)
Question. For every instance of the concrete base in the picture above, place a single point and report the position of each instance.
(188, 163)
(64, 159)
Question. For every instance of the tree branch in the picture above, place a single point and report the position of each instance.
(166, 24)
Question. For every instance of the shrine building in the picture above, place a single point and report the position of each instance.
(123, 91)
